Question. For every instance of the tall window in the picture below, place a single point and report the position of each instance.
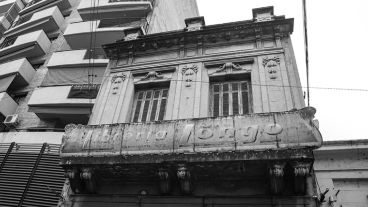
(230, 98)
(150, 105)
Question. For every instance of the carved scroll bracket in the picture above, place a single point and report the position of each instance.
(82, 180)
(184, 177)
(301, 171)
(276, 173)
(164, 177)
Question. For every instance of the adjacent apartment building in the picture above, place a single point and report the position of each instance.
(200, 116)
(51, 67)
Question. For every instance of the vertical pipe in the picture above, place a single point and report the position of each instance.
(306, 46)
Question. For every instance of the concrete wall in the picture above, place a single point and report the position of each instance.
(343, 166)
(169, 15)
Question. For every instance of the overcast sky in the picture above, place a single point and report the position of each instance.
(338, 44)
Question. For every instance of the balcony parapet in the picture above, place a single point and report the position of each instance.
(21, 69)
(48, 20)
(78, 35)
(9, 10)
(113, 9)
(39, 5)
(243, 137)
(76, 58)
(31, 45)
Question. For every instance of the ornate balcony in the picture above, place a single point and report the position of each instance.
(200, 148)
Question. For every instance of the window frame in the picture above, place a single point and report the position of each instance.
(152, 98)
(230, 97)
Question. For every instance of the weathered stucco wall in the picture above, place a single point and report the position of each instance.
(269, 64)
(342, 167)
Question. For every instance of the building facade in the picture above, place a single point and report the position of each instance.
(202, 116)
(341, 169)
(51, 67)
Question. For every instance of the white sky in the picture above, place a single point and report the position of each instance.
(338, 44)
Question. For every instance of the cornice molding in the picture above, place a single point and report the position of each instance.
(209, 34)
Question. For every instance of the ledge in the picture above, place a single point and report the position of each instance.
(246, 137)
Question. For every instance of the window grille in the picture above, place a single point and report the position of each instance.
(150, 105)
(230, 98)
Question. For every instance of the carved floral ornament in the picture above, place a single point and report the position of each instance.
(189, 72)
(116, 80)
(271, 65)
(153, 75)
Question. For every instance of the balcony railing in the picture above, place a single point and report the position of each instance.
(7, 42)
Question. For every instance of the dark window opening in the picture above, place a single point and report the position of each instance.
(230, 98)
(84, 91)
(150, 105)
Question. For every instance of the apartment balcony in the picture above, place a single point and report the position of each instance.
(133, 9)
(204, 148)
(9, 10)
(48, 20)
(78, 35)
(38, 5)
(7, 105)
(15, 74)
(79, 69)
(31, 45)
(77, 58)
(53, 103)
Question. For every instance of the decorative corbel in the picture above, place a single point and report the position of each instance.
(301, 171)
(88, 177)
(164, 177)
(153, 75)
(74, 180)
(276, 173)
(184, 177)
